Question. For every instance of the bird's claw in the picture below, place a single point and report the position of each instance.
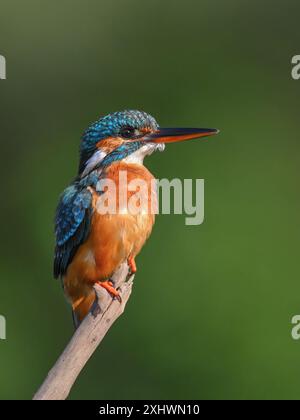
(109, 286)
(132, 267)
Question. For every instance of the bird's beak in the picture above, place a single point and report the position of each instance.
(171, 135)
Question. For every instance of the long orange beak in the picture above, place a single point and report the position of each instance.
(171, 135)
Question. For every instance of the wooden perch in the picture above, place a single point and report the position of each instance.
(86, 339)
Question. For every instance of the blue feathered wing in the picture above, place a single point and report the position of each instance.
(72, 225)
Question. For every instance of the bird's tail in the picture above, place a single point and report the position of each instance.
(82, 308)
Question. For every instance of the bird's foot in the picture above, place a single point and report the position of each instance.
(132, 266)
(109, 286)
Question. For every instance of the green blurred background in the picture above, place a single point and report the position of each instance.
(210, 316)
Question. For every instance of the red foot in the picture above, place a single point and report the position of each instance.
(132, 265)
(108, 285)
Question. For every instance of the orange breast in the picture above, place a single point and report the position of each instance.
(114, 237)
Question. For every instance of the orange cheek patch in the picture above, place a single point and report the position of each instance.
(146, 130)
(109, 144)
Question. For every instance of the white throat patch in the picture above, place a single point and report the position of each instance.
(136, 157)
(142, 152)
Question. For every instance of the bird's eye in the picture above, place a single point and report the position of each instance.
(129, 133)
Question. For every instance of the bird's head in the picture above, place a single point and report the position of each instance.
(129, 135)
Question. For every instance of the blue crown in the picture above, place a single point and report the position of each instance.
(111, 126)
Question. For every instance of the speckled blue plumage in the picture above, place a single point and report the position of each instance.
(72, 224)
(110, 126)
(74, 211)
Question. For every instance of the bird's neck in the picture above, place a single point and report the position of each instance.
(131, 168)
(131, 154)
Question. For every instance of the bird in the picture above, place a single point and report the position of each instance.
(90, 245)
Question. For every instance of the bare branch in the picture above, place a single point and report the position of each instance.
(86, 339)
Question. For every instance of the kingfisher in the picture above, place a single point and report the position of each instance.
(92, 244)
